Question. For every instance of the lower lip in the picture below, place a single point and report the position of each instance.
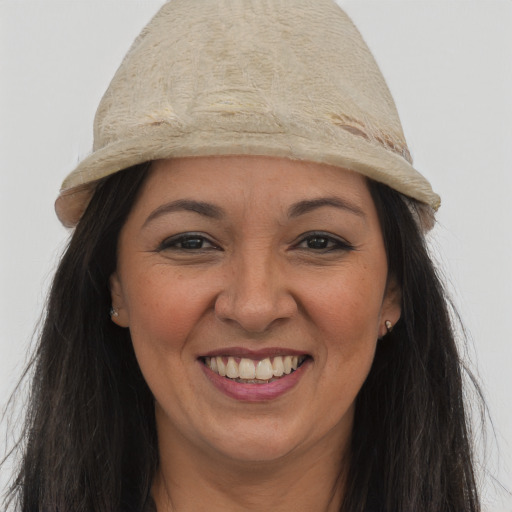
(256, 392)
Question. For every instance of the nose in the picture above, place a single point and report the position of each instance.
(255, 295)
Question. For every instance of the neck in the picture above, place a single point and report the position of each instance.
(191, 479)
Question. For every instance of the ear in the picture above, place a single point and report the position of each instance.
(118, 301)
(391, 307)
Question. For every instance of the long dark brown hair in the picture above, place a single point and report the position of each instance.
(89, 441)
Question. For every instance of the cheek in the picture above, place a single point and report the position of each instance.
(348, 305)
(164, 310)
(346, 311)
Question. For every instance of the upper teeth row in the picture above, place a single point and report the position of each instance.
(264, 369)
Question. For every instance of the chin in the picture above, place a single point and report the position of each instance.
(262, 441)
(258, 450)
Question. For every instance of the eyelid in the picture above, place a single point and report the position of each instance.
(340, 243)
(172, 242)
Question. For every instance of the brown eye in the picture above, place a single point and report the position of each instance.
(187, 242)
(318, 242)
(191, 243)
(323, 242)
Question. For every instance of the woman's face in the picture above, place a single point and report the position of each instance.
(253, 266)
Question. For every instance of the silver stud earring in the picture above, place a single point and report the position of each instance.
(114, 312)
(389, 326)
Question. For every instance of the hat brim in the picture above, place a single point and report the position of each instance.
(161, 141)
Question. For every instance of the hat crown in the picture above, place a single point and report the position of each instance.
(284, 78)
(256, 65)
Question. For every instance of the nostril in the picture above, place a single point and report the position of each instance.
(254, 313)
(255, 294)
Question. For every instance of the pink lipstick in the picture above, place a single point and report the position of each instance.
(272, 387)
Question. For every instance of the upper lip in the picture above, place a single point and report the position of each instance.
(254, 354)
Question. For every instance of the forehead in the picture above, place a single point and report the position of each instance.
(250, 179)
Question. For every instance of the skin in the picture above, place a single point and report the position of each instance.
(263, 277)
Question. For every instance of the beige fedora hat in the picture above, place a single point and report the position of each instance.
(284, 78)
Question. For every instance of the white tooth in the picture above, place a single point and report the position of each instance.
(221, 367)
(287, 361)
(264, 370)
(213, 365)
(295, 362)
(246, 369)
(277, 366)
(232, 369)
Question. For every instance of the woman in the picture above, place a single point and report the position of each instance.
(246, 316)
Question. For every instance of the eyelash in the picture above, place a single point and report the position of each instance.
(173, 242)
(332, 243)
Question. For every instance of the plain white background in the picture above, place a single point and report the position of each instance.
(449, 66)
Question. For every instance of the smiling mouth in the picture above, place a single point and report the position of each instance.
(251, 371)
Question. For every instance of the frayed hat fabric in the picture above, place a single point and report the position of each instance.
(283, 78)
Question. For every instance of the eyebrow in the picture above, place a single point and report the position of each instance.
(188, 205)
(216, 212)
(308, 205)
